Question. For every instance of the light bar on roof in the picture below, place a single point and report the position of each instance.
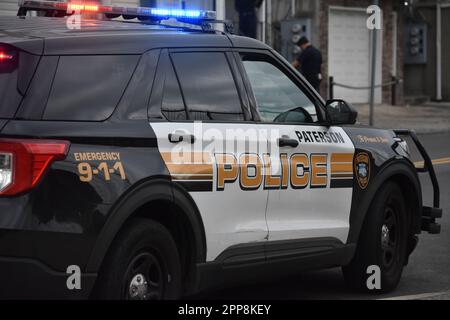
(195, 14)
(156, 14)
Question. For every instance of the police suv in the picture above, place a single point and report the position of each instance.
(145, 159)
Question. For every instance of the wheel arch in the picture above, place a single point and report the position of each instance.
(405, 175)
(154, 193)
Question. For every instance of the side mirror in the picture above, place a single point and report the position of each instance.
(340, 112)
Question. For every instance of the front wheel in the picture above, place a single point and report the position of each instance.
(143, 264)
(382, 242)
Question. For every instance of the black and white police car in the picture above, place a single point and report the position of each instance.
(161, 161)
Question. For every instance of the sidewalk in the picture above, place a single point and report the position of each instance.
(426, 119)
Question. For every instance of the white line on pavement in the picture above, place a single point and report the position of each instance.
(418, 296)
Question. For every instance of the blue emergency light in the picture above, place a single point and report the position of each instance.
(142, 13)
(177, 13)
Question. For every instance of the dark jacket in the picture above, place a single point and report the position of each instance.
(247, 5)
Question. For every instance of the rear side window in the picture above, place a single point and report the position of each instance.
(16, 69)
(208, 86)
(88, 88)
(9, 93)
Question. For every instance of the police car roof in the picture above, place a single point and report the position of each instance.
(108, 37)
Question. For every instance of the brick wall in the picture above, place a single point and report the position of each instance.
(387, 43)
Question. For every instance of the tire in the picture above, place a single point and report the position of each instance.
(142, 264)
(382, 242)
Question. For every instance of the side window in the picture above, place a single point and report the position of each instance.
(88, 88)
(208, 86)
(16, 70)
(278, 98)
(10, 96)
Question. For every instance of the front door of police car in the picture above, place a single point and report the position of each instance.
(309, 173)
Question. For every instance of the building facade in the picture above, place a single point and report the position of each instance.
(346, 44)
(429, 79)
(8, 7)
(339, 29)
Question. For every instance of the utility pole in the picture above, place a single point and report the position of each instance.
(373, 71)
(220, 8)
(438, 51)
(269, 22)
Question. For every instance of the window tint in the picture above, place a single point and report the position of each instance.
(9, 94)
(88, 88)
(208, 86)
(16, 70)
(279, 99)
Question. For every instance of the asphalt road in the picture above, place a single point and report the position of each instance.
(426, 277)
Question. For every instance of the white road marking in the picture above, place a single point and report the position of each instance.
(418, 296)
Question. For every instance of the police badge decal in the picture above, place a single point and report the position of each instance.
(362, 169)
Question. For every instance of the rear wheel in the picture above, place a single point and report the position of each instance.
(382, 242)
(143, 264)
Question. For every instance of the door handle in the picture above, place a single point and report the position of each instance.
(285, 141)
(181, 136)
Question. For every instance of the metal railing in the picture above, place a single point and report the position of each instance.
(394, 83)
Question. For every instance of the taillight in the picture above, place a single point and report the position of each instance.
(24, 162)
(6, 168)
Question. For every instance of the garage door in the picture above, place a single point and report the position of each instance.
(349, 56)
(8, 7)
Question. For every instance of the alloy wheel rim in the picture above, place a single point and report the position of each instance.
(389, 237)
(144, 278)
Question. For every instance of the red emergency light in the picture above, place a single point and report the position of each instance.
(82, 7)
(4, 56)
(143, 13)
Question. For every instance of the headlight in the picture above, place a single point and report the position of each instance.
(401, 147)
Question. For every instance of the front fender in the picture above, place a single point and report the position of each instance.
(400, 170)
(387, 162)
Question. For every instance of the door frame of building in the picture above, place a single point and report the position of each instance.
(379, 74)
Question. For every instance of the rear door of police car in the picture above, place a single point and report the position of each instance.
(199, 111)
(310, 171)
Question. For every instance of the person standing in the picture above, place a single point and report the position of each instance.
(309, 62)
(247, 16)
